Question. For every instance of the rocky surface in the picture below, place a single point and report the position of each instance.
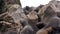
(44, 19)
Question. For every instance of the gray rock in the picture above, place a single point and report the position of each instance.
(27, 30)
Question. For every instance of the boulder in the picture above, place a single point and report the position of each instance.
(27, 30)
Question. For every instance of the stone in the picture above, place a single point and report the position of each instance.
(32, 15)
(42, 32)
(4, 4)
(6, 19)
(27, 30)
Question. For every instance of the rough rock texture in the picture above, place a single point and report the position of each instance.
(4, 4)
(8, 23)
(44, 19)
(27, 30)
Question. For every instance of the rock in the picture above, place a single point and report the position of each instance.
(32, 23)
(27, 30)
(7, 21)
(38, 8)
(58, 14)
(1, 6)
(41, 12)
(4, 4)
(51, 15)
(55, 31)
(47, 12)
(16, 12)
(48, 15)
(12, 31)
(27, 9)
(32, 15)
(44, 31)
(21, 27)
(44, 19)
(4, 26)
(40, 25)
(7, 27)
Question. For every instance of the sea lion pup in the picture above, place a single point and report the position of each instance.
(51, 20)
(27, 30)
